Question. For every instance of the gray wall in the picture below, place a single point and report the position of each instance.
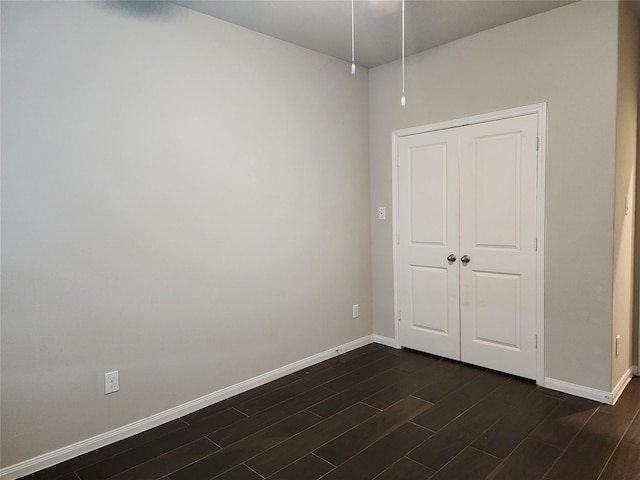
(568, 58)
(183, 200)
(626, 154)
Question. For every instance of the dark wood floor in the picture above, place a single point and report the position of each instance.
(387, 414)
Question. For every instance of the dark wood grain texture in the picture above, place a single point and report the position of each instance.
(381, 454)
(384, 414)
(469, 464)
(309, 467)
(587, 454)
(458, 402)
(406, 469)
(229, 457)
(170, 462)
(351, 442)
(287, 452)
(530, 461)
(160, 446)
(238, 430)
(455, 437)
(509, 431)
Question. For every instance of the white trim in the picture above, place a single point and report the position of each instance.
(483, 118)
(591, 393)
(620, 386)
(539, 109)
(395, 191)
(41, 462)
(389, 342)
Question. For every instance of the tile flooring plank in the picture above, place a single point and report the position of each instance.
(530, 461)
(350, 443)
(559, 428)
(279, 436)
(624, 464)
(628, 404)
(247, 426)
(450, 376)
(309, 467)
(514, 391)
(380, 455)
(461, 400)
(334, 362)
(233, 455)
(470, 464)
(356, 393)
(503, 437)
(552, 393)
(633, 433)
(131, 458)
(256, 405)
(439, 449)
(241, 397)
(363, 360)
(241, 472)
(411, 361)
(406, 469)
(169, 462)
(289, 451)
(101, 454)
(403, 387)
(587, 454)
(359, 376)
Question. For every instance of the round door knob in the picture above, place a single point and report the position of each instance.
(465, 259)
(451, 258)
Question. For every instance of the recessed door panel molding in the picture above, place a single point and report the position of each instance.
(496, 163)
(468, 260)
(495, 307)
(429, 312)
(428, 194)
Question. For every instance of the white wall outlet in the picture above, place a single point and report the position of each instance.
(111, 382)
(617, 345)
(382, 213)
(356, 311)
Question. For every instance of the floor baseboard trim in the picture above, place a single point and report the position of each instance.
(602, 396)
(622, 383)
(63, 454)
(388, 341)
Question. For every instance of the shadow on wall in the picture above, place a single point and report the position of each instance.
(144, 10)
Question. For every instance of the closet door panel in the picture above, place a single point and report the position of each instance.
(498, 172)
(427, 234)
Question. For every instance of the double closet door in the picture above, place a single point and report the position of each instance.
(466, 248)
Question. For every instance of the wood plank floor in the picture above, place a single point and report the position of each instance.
(384, 414)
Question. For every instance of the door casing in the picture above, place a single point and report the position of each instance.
(540, 111)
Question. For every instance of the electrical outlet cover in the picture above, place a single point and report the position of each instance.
(111, 382)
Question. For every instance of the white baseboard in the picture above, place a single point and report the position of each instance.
(620, 386)
(591, 393)
(41, 462)
(389, 342)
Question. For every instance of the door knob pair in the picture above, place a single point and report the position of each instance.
(463, 259)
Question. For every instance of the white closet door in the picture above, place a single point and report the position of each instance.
(498, 175)
(428, 233)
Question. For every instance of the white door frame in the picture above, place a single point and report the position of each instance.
(540, 110)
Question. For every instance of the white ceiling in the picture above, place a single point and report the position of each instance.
(325, 25)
